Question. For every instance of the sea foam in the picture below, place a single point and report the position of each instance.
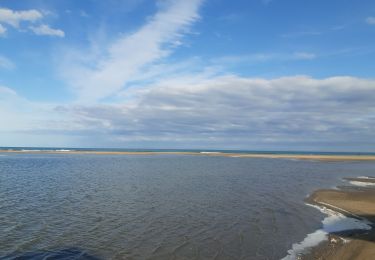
(334, 222)
(366, 177)
(362, 183)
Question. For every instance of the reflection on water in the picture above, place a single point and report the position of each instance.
(160, 207)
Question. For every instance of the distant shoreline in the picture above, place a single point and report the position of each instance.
(318, 157)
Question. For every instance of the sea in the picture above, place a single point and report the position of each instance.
(162, 206)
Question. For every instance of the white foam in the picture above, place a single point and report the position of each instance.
(209, 152)
(362, 183)
(366, 177)
(26, 150)
(334, 222)
(310, 241)
(63, 150)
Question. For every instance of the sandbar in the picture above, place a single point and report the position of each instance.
(313, 157)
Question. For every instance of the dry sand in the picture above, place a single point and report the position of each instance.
(316, 157)
(359, 203)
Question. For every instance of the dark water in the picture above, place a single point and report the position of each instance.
(160, 207)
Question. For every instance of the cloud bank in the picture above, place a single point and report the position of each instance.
(231, 112)
(214, 112)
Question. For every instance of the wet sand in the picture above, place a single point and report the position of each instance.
(316, 157)
(356, 203)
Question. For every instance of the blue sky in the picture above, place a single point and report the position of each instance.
(254, 74)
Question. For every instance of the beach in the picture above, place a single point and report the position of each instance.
(355, 202)
(292, 156)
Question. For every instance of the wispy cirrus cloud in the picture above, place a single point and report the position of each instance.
(370, 20)
(265, 57)
(301, 33)
(2, 30)
(105, 73)
(314, 32)
(45, 29)
(266, 2)
(6, 63)
(304, 55)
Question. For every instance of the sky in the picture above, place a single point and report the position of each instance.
(197, 74)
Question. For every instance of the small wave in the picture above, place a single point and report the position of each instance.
(362, 183)
(30, 150)
(334, 222)
(209, 152)
(62, 150)
(366, 177)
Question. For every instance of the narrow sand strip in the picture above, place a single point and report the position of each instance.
(312, 157)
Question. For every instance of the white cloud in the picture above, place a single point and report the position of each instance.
(21, 118)
(2, 30)
(298, 112)
(116, 64)
(44, 29)
(5, 63)
(304, 56)
(14, 18)
(7, 91)
(264, 57)
(302, 33)
(237, 112)
(370, 20)
(14, 110)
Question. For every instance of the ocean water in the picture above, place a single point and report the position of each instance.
(160, 206)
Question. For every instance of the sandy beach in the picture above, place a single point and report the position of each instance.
(317, 157)
(356, 203)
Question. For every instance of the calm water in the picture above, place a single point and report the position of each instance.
(160, 207)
